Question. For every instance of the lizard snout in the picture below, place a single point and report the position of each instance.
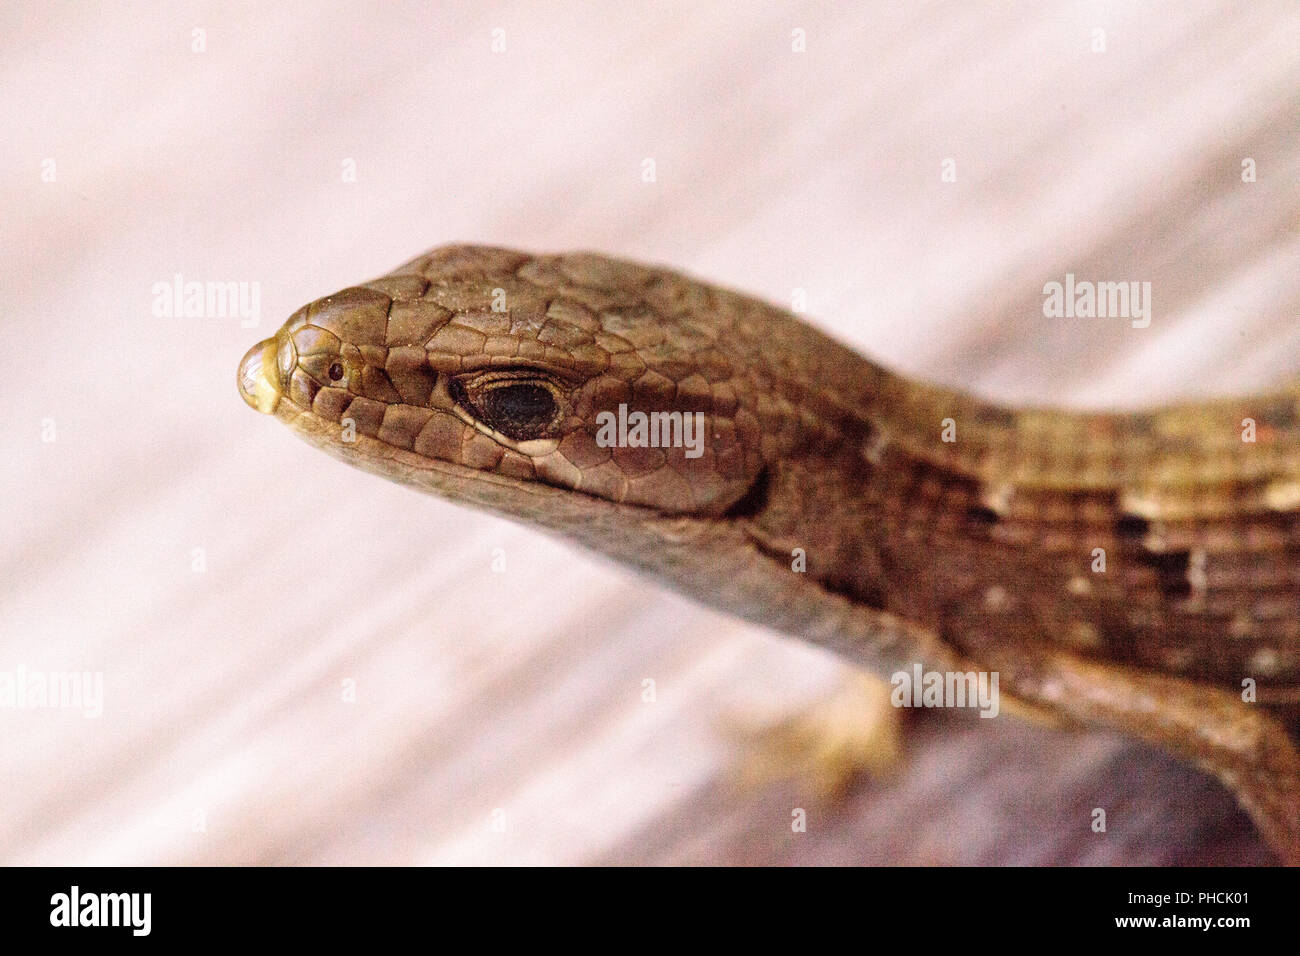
(262, 371)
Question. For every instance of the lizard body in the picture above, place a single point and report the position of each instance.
(1121, 570)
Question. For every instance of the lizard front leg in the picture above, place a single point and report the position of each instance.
(1243, 744)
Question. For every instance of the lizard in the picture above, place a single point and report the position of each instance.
(1138, 571)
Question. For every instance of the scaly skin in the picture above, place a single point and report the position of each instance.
(1127, 571)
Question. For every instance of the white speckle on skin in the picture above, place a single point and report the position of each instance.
(1079, 585)
(1266, 661)
(1133, 503)
(1283, 495)
(1052, 689)
(999, 499)
(996, 598)
(1196, 576)
(874, 449)
(1243, 625)
(1084, 634)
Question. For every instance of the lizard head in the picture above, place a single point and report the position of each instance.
(491, 376)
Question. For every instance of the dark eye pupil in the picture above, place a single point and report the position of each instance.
(520, 411)
(336, 372)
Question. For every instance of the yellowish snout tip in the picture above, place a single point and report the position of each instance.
(258, 379)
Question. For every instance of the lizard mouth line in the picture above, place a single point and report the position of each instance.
(327, 434)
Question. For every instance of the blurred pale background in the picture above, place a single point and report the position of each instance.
(229, 582)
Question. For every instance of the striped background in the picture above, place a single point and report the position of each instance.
(224, 738)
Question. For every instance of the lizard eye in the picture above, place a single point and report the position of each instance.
(521, 409)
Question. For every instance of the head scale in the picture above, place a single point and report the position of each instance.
(483, 365)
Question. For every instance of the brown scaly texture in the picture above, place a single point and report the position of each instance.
(1136, 571)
